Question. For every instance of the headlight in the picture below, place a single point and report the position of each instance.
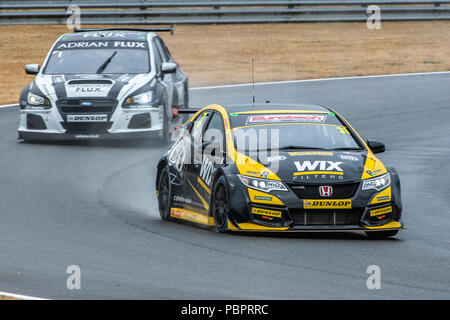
(263, 184)
(141, 100)
(377, 183)
(35, 100)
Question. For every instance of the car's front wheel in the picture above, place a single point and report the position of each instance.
(381, 234)
(164, 191)
(220, 205)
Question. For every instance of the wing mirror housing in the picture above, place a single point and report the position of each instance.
(169, 67)
(376, 146)
(32, 68)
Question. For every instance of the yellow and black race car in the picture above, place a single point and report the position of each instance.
(275, 167)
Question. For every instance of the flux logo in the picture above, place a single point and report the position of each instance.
(331, 166)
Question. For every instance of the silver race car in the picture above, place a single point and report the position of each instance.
(104, 84)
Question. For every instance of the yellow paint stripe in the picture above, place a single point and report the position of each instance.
(390, 225)
(254, 226)
(200, 181)
(318, 172)
(205, 204)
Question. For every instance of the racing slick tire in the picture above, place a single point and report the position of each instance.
(220, 205)
(381, 234)
(164, 194)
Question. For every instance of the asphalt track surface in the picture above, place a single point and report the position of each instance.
(94, 206)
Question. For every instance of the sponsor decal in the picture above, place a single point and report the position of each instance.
(87, 136)
(262, 198)
(68, 45)
(326, 191)
(382, 211)
(189, 215)
(87, 118)
(266, 212)
(327, 204)
(374, 173)
(275, 158)
(87, 90)
(383, 198)
(263, 174)
(313, 176)
(342, 130)
(311, 153)
(280, 118)
(182, 199)
(318, 167)
(175, 111)
(348, 157)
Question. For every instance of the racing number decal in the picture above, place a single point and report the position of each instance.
(342, 130)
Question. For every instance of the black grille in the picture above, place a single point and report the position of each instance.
(311, 191)
(67, 106)
(35, 122)
(86, 127)
(140, 121)
(326, 217)
(97, 106)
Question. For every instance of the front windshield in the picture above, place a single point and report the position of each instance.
(291, 131)
(99, 57)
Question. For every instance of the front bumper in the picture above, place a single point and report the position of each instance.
(289, 212)
(122, 124)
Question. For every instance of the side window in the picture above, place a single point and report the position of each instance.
(215, 132)
(165, 57)
(198, 125)
(158, 60)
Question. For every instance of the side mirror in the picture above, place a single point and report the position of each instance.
(32, 68)
(376, 146)
(168, 67)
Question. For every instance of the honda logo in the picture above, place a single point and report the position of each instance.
(326, 191)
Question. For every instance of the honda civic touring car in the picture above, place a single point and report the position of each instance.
(103, 84)
(277, 167)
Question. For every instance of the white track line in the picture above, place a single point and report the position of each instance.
(9, 105)
(19, 296)
(325, 79)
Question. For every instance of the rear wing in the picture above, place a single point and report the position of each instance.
(153, 29)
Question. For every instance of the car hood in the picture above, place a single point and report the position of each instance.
(314, 166)
(112, 86)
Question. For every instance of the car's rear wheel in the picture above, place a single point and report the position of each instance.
(164, 191)
(220, 205)
(381, 234)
